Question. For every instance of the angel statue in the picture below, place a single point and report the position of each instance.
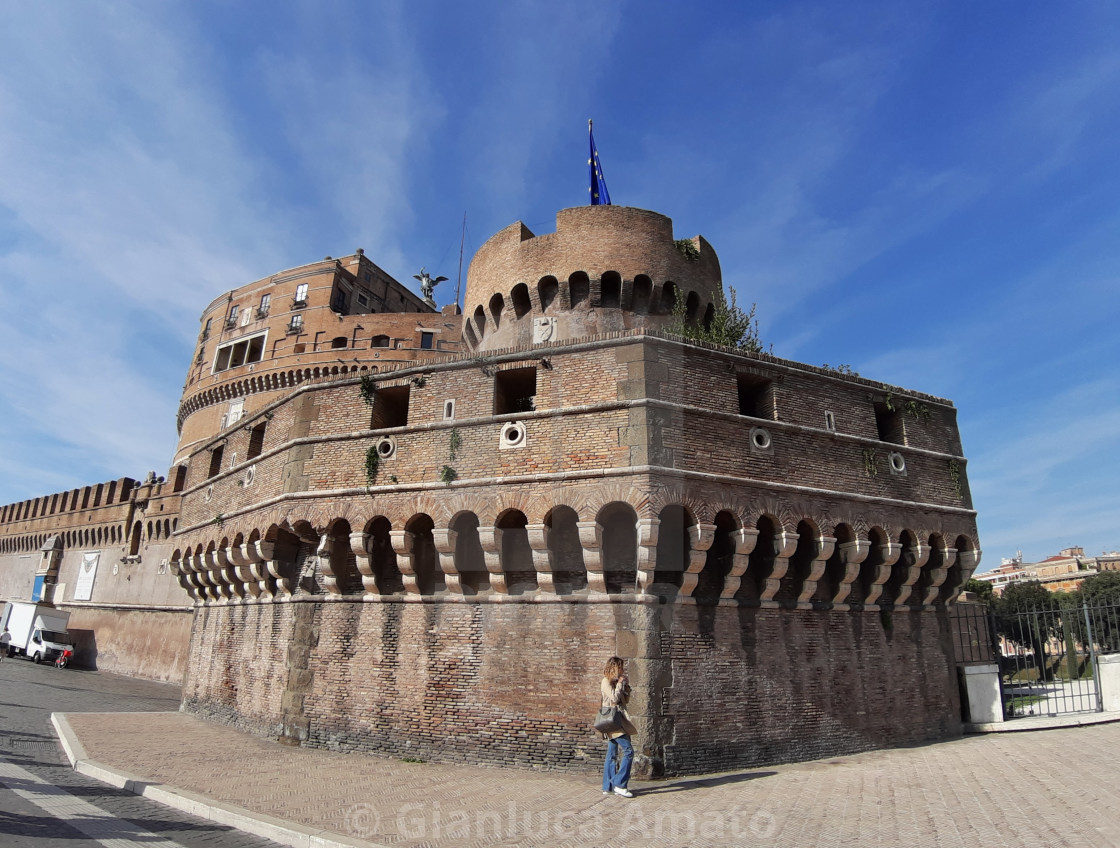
(427, 284)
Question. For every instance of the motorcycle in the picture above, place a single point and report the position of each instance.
(63, 659)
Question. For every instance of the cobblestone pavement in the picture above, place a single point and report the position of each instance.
(1044, 788)
(44, 803)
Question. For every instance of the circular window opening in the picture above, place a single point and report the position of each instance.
(250, 475)
(209, 496)
(760, 438)
(386, 448)
(513, 435)
(898, 462)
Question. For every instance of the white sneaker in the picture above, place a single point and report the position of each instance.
(623, 791)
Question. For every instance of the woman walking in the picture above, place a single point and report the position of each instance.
(615, 689)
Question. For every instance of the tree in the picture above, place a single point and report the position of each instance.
(1026, 615)
(981, 588)
(1101, 595)
(730, 325)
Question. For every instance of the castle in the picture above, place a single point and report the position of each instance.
(421, 533)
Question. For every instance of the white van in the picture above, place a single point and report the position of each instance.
(38, 631)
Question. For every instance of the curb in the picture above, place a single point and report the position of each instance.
(1021, 725)
(239, 818)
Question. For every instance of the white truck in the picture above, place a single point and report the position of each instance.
(38, 631)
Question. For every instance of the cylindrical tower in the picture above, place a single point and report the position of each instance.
(605, 269)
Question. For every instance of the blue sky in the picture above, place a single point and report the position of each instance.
(927, 192)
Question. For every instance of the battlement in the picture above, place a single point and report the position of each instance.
(605, 269)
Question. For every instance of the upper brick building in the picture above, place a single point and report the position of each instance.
(424, 533)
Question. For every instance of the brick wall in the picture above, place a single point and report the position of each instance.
(516, 683)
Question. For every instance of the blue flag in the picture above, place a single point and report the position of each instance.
(599, 194)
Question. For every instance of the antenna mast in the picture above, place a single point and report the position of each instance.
(459, 282)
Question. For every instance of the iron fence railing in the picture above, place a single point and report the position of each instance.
(1047, 656)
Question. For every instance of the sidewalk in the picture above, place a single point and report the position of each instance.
(1052, 788)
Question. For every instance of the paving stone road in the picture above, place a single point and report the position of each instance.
(44, 803)
(1056, 787)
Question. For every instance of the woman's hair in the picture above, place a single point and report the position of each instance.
(613, 669)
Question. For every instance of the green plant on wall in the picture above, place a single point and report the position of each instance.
(454, 442)
(869, 463)
(730, 326)
(955, 476)
(687, 249)
(448, 475)
(373, 462)
(419, 382)
(368, 389)
(915, 409)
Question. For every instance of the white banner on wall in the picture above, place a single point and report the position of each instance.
(83, 586)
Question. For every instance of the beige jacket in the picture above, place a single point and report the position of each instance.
(617, 696)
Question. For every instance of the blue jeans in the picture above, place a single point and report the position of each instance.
(618, 775)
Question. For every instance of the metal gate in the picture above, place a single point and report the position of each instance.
(1047, 657)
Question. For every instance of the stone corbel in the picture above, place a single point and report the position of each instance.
(231, 586)
(745, 540)
(490, 538)
(700, 538)
(890, 553)
(911, 564)
(244, 580)
(937, 576)
(825, 546)
(359, 544)
(323, 553)
(542, 556)
(967, 560)
(263, 555)
(444, 541)
(785, 543)
(591, 540)
(852, 555)
(403, 546)
(648, 530)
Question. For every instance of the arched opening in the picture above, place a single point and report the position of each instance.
(672, 549)
(569, 574)
(579, 288)
(479, 322)
(620, 546)
(908, 543)
(800, 564)
(761, 561)
(516, 555)
(520, 297)
(497, 304)
(936, 561)
(308, 574)
(379, 341)
(342, 561)
(877, 541)
(425, 565)
(836, 567)
(339, 342)
(691, 307)
(382, 558)
(547, 289)
(610, 290)
(639, 300)
(668, 300)
(470, 561)
(709, 316)
(288, 553)
(134, 542)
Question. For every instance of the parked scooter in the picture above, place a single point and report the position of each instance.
(64, 658)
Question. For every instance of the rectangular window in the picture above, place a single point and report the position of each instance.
(390, 407)
(216, 461)
(362, 299)
(256, 441)
(756, 396)
(206, 329)
(426, 341)
(231, 321)
(890, 424)
(266, 302)
(515, 391)
(296, 324)
(241, 352)
(301, 293)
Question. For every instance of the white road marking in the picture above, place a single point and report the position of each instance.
(81, 815)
